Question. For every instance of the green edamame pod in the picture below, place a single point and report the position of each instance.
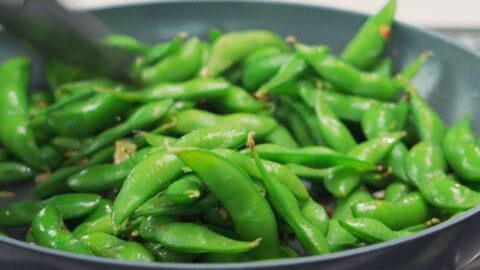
(19, 214)
(221, 136)
(366, 47)
(442, 192)
(164, 207)
(401, 112)
(316, 215)
(207, 51)
(235, 46)
(142, 117)
(11, 172)
(315, 156)
(232, 189)
(352, 107)
(368, 230)
(189, 57)
(462, 150)
(190, 237)
(71, 92)
(79, 95)
(375, 150)
(407, 74)
(237, 99)
(158, 170)
(184, 191)
(422, 159)
(289, 71)
(420, 227)
(262, 53)
(395, 191)
(51, 156)
(100, 220)
(103, 177)
(214, 34)
(409, 210)
(307, 89)
(346, 107)
(427, 122)
(73, 205)
(189, 90)
(158, 201)
(218, 217)
(156, 140)
(109, 246)
(49, 231)
(57, 182)
(307, 173)
(334, 132)
(125, 42)
(257, 72)
(338, 238)
(66, 143)
(190, 120)
(378, 120)
(347, 78)
(161, 50)
(396, 160)
(87, 117)
(286, 205)
(343, 206)
(69, 205)
(278, 172)
(308, 116)
(342, 180)
(299, 129)
(16, 133)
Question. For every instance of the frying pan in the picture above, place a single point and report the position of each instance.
(450, 81)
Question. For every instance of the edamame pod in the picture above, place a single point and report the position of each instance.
(109, 246)
(235, 46)
(232, 189)
(190, 237)
(15, 131)
(49, 231)
(462, 150)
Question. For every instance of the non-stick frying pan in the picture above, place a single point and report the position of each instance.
(450, 81)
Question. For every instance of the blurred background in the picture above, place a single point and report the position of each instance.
(459, 19)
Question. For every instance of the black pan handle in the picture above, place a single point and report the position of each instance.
(72, 37)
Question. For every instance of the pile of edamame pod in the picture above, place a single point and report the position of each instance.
(248, 146)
